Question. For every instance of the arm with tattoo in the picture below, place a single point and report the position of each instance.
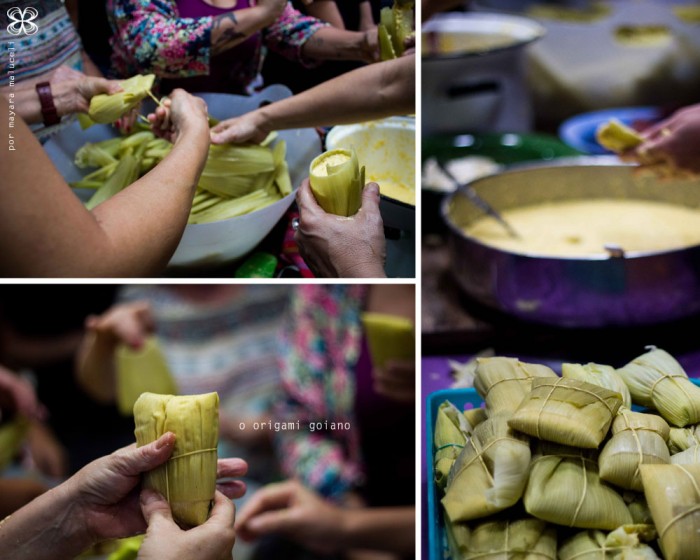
(232, 28)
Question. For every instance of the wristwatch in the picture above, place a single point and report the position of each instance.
(48, 109)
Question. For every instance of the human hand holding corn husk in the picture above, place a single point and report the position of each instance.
(239, 130)
(178, 113)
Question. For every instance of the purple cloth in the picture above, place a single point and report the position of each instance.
(225, 68)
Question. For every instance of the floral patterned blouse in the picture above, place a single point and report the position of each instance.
(151, 37)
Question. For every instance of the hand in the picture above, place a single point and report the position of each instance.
(290, 509)
(670, 147)
(48, 455)
(65, 73)
(20, 394)
(166, 541)
(126, 323)
(180, 114)
(73, 96)
(238, 130)
(396, 380)
(107, 494)
(339, 247)
(127, 122)
(370, 46)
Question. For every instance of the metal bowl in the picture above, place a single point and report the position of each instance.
(614, 290)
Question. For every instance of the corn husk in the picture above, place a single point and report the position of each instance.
(567, 411)
(564, 488)
(673, 495)
(125, 173)
(141, 371)
(390, 337)
(231, 171)
(12, 436)
(451, 432)
(638, 439)
(639, 509)
(617, 137)
(188, 478)
(624, 543)
(656, 380)
(681, 439)
(601, 375)
(337, 180)
(688, 457)
(490, 473)
(504, 382)
(475, 416)
(106, 109)
(128, 548)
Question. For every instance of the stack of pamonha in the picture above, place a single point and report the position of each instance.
(236, 180)
(561, 467)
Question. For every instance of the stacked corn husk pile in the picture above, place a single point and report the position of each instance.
(563, 468)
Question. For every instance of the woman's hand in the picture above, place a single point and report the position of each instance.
(339, 247)
(19, 396)
(48, 454)
(124, 323)
(396, 380)
(238, 130)
(179, 115)
(73, 96)
(166, 541)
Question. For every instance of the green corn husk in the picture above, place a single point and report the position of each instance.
(230, 208)
(228, 161)
(12, 436)
(337, 181)
(597, 374)
(188, 479)
(451, 432)
(282, 180)
(403, 26)
(617, 137)
(490, 473)
(141, 371)
(84, 184)
(656, 380)
(128, 549)
(386, 47)
(673, 495)
(504, 382)
(681, 439)
(125, 174)
(567, 411)
(92, 155)
(564, 488)
(624, 543)
(101, 174)
(638, 439)
(389, 337)
(105, 109)
(475, 416)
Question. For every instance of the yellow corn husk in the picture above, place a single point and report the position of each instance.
(656, 380)
(567, 411)
(577, 14)
(403, 26)
(475, 416)
(230, 208)
(141, 371)
(125, 173)
(638, 507)
(673, 495)
(688, 457)
(188, 479)
(92, 155)
(597, 374)
(337, 181)
(12, 435)
(638, 439)
(102, 174)
(85, 121)
(624, 543)
(457, 535)
(386, 47)
(106, 109)
(680, 439)
(94, 185)
(227, 162)
(282, 179)
(389, 337)
(564, 488)
(128, 549)
(451, 432)
(490, 473)
(504, 382)
(687, 14)
(617, 137)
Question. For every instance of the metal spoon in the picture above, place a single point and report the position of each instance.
(474, 197)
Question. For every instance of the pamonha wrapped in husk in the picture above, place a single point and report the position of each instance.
(451, 432)
(681, 439)
(188, 479)
(598, 374)
(567, 411)
(624, 543)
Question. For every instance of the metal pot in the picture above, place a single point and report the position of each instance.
(477, 91)
(622, 289)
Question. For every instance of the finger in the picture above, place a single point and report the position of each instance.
(231, 467)
(155, 507)
(233, 489)
(133, 461)
(370, 195)
(280, 521)
(272, 496)
(222, 126)
(306, 201)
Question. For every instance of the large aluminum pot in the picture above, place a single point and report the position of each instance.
(618, 289)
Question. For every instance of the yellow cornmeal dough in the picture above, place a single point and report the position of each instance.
(581, 228)
(397, 191)
(321, 170)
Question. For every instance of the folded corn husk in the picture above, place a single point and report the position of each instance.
(597, 374)
(673, 494)
(564, 488)
(188, 478)
(504, 382)
(617, 137)
(624, 543)
(681, 439)
(658, 381)
(517, 539)
(106, 108)
(567, 411)
(451, 432)
(389, 337)
(638, 439)
(337, 180)
(141, 371)
(490, 473)
(688, 457)
(12, 436)
(475, 416)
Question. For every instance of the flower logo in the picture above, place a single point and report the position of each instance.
(22, 21)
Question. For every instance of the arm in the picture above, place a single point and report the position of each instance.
(372, 92)
(46, 231)
(366, 18)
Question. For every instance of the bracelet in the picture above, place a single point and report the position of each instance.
(48, 109)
